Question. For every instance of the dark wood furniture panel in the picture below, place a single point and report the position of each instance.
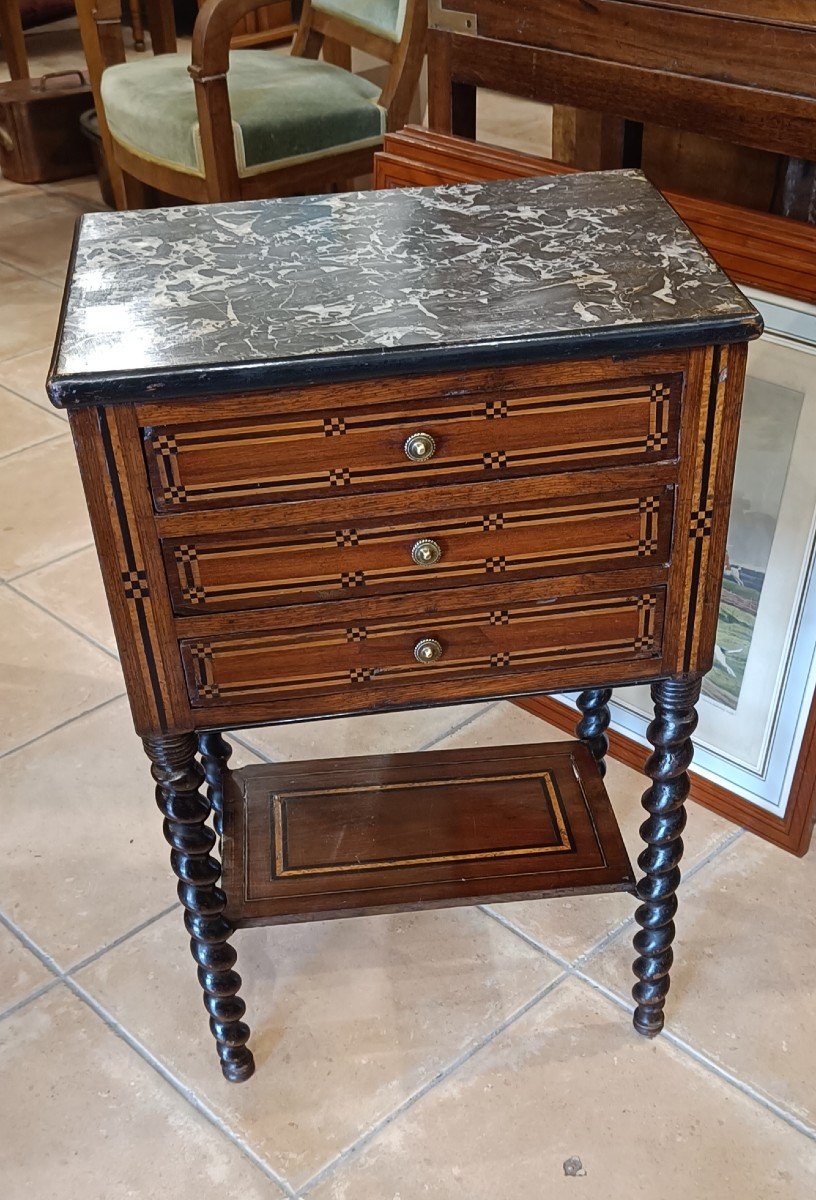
(421, 831)
(744, 78)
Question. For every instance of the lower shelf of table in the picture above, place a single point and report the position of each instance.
(395, 832)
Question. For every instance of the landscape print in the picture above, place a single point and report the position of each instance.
(767, 432)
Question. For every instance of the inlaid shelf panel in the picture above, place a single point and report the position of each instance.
(344, 837)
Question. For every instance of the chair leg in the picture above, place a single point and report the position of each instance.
(179, 777)
(137, 194)
(137, 28)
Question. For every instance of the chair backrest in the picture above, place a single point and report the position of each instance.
(380, 27)
(386, 18)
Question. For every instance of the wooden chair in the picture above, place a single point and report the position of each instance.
(250, 123)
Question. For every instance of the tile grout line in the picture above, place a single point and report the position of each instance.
(48, 986)
(709, 1064)
(457, 728)
(242, 740)
(50, 437)
(61, 725)
(61, 974)
(441, 1075)
(66, 977)
(180, 1088)
(574, 971)
(29, 943)
(123, 937)
(62, 620)
(52, 562)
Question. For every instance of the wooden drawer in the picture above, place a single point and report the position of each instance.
(344, 663)
(222, 573)
(347, 450)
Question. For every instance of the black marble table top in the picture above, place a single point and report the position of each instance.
(249, 296)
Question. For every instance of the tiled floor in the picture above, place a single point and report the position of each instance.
(478, 1053)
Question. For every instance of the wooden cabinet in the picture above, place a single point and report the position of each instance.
(485, 453)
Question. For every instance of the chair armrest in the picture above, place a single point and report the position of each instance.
(212, 33)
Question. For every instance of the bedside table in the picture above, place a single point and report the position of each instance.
(356, 453)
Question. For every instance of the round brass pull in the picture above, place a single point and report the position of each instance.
(427, 650)
(426, 552)
(419, 447)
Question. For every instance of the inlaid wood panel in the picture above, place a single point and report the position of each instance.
(520, 539)
(418, 830)
(480, 642)
(339, 451)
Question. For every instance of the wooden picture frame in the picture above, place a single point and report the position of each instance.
(772, 253)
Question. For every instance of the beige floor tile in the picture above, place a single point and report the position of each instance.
(25, 375)
(21, 972)
(10, 186)
(572, 926)
(570, 1080)
(30, 312)
(47, 673)
(84, 1116)
(509, 121)
(41, 247)
(86, 187)
(72, 588)
(381, 733)
(23, 424)
(743, 986)
(83, 858)
(348, 1017)
(44, 513)
(36, 204)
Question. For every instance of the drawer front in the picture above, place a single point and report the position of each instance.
(274, 459)
(475, 644)
(210, 573)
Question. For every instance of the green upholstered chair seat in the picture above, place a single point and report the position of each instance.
(284, 109)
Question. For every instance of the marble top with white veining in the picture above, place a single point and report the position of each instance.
(367, 279)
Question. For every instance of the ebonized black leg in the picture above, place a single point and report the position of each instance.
(215, 753)
(179, 777)
(591, 729)
(670, 734)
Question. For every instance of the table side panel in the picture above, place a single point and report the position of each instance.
(106, 441)
(708, 454)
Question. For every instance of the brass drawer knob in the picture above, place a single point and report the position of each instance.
(419, 447)
(427, 650)
(426, 552)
